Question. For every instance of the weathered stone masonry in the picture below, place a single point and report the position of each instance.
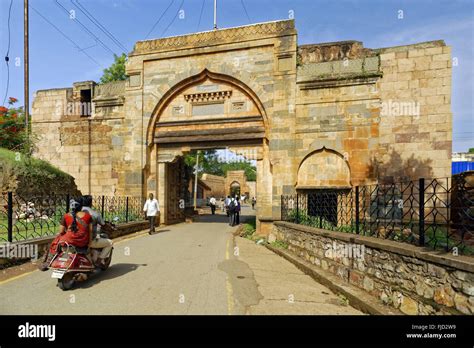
(402, 276)
(324, 115)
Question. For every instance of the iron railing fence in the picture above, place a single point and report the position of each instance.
(436, 213)
(39, 216)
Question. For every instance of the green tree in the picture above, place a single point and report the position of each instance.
(209, 163)
(471, 150)
(12, 126)
(116, 72)
(249, 168)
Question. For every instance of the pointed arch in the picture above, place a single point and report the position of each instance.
(323, 168)
(195, 80)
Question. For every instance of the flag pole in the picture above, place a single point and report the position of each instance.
(215, 14)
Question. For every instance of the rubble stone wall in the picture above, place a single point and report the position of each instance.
(407, 277)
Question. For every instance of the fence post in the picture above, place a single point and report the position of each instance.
(282, 214)
(102, 206)
(10, 217)
(421, 228)
(126, 210)
(357, 209)
(68, 198)
(297, 209)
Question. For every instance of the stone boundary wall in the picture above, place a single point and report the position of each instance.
(410, 278)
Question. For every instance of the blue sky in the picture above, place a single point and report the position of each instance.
(56, 62)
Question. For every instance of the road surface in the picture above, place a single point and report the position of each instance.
(195, 268)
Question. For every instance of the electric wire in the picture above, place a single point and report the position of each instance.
(174, 18)
(200, 15)
(7, 58)
(98, 24)
(159, 19)
(104, 46)
(245, 9)
(65, 36)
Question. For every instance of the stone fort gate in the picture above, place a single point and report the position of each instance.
(329, 115)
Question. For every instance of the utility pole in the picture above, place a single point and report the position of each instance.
(26, 69)
(215, 14)
(196, 180)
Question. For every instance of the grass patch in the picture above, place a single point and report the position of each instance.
(249, 228)
(279, 244)
(33, 165)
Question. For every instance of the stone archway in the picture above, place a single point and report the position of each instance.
(323, 168)
(205, 111)
(235, 189)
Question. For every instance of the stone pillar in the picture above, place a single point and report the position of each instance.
(161, 189)
(152, 177)
(264, 192)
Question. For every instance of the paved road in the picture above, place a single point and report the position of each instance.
(184, 269)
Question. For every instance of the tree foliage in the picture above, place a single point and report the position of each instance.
(210, 163)
(116, 72)
(12, 126)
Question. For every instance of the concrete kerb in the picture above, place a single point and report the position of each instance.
(357, 298)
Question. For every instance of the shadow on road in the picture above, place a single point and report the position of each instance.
(114, 271)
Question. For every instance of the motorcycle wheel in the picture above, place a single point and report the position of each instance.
(107, 261)
(66, 282)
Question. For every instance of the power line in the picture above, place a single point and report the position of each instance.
(86, 29)
(7, 58)
(245, 9)
(174, 18)
(200, 15)
(159, 19)
(98, 24)
(64, 35)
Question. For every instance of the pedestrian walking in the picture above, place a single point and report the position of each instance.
(237, 212)
(151, 209)
(254, 201)
(231, 211)
(226, 205)
(212, 203)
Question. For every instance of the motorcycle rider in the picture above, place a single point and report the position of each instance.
(75, 228)
(97, 241)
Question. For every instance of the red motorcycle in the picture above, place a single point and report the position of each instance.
(72, 264)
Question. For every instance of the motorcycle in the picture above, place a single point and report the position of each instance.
(71, 264)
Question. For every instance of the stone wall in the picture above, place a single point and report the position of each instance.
(215, 183)
(90, 148)
(324, 115)
(415, 145)
(373, 109)
(412, 279)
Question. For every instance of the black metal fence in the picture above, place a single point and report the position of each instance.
(436, 213)
(33, 217)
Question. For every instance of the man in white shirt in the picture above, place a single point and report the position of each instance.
(226, 204)
(213, 203)
(151, 209)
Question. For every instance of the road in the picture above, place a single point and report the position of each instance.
(189, 268)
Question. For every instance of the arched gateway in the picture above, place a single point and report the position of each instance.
(310, 120)
(205, 111)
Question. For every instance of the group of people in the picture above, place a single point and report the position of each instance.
(80, 228)
(232, 207)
